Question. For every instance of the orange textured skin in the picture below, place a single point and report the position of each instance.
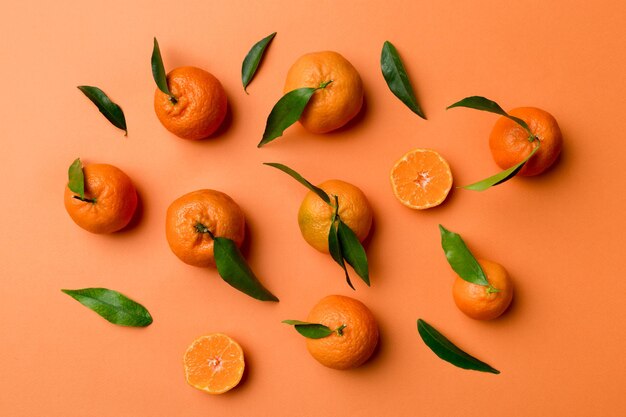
(421, 179)
(315, 216)
(115, 200)
(509, 142)
(359, 339)
(335, 105)
(214, 363)
(201, 103)
(476, 302)
(213, 209)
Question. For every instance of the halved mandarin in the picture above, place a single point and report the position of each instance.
(421, 179)
(214, 363)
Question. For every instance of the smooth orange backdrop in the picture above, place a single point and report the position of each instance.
(561, 235)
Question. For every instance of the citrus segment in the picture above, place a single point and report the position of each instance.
(358, 339)
(421, 179)
(214, 363)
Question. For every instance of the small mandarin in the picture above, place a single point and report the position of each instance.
(334, 105)
(478, 301)
(111, 200)
(315, 215)
(358, 339)
(510, 144)
(200, 103)
(188, 218)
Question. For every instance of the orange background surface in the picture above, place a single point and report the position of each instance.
(561, 235)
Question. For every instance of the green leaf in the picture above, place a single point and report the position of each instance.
(252, 60)
(397, 78)
(321, 193)
(113, 306)
(234, 269)
(158, 71)
(501, 176)
(484, 104)
(76, 178)
(353, 251)
(447, 351)
(461, 259)
(287, 111)
(334, 247)
(110, 110)
(310, 330)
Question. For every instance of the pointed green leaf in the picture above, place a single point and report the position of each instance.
(397, 78)
(334, 247)
(252, 60)
(353, 251)
(321, 193)
(501, 176)
(461, 259)
(113, 306)
(158, 70)
(484, 104)
(310, 330)
(287, 111)
(234, 269)
(76, 178)
(447, 351)
(110, 110)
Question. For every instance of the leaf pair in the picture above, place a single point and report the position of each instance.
(462, 260)
(113, 306)
(448, 351)
(314, 330)
(484, 104)
(343, 244)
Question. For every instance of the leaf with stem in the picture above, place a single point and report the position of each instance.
(321, 193)
(397, 78)
(76, 178)
(287, 111)
(314, 330)
(448, 351)
(484, 104)
(113, 306)
(158, 72)
(461, 259)
(353, 252)
(501, 176)
(252, 60)
(109, 109)
(334, 247)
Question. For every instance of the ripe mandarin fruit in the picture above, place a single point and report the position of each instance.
(421, 179)
(336, 104)
(200, 106)
(214, 363)
(189, 216)
(358, 338)
(315, 216)
(477, 301)
(112, 200)
(510, 145)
